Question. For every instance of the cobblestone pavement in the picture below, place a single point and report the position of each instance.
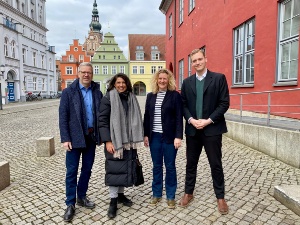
(37, 191)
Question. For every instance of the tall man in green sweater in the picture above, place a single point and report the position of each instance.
(205, 99)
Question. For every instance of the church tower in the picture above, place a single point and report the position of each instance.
(95, 35)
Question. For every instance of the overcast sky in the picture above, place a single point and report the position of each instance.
(70, 19)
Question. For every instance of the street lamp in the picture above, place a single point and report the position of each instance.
(2, 69)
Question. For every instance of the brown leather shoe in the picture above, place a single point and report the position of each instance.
(185, 200)
(222, 206)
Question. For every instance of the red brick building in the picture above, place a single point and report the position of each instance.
(254, 43)
(70, 61)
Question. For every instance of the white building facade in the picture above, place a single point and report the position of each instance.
(28, 59)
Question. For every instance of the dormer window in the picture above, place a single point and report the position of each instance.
(155, 53)
(139, 53)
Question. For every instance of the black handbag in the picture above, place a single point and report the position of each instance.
(138, 172)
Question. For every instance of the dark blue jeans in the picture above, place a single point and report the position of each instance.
(72, 164)
(163, 152)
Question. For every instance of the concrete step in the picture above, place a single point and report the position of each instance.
(289, 195)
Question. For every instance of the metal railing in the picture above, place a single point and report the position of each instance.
(278, 108)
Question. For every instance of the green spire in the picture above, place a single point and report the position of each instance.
(95, 25)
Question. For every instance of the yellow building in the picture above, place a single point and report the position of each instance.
(146, 55)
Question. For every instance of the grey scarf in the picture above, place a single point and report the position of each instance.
(126, 131)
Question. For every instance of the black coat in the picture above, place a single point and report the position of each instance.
(171, 116)
(215, 103)
(118, 172)
(72, 119)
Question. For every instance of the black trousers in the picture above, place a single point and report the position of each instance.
(212, 146)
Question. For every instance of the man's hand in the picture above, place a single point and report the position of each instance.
(200, 123)
(67, 146)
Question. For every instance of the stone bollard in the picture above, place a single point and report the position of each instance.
(4, 175)
(45, 146)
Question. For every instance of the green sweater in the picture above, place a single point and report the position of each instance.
(199, 99)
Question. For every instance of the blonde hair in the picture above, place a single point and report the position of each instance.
(171, 79)
(196, 51)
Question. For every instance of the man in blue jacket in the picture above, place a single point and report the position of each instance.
(78, 113)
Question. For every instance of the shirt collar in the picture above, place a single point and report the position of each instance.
(82, 87)
(201, 77)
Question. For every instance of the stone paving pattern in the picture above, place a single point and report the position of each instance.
(37, 191)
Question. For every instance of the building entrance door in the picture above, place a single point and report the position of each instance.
(11, 91)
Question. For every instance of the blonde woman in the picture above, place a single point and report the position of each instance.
(163, 132)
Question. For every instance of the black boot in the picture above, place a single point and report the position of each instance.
(112, 210)
(123, 199)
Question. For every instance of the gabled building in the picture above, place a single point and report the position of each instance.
(146, 56)
(108, 61)
(69, 63)
(94, 38)
(28, 59)
(254, 43)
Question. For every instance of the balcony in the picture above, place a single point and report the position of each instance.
(9, 24)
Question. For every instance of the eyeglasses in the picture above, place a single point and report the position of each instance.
(84, 72)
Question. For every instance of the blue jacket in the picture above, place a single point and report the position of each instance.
(72, 119)
(171, 116)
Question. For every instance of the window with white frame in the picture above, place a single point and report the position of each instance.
(104, 69)
(13, 49)
(122, 69)
(244, 40)
(71, 58)
(189, 66)
(113, 70)
(96, 69)
(43, 84)
(134, 69)
(181, 73)
(34, 83)
(180, 11)
(155, 56)
(69, 70)
(142, 69)
(289, 40)
(139, 55)
(159, 67)
(81, 57)
(153, 69)
(191, 5)
(6, 46)
(34, 58)
(170, 26)
(24, 55)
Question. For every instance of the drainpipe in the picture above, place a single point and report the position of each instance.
(175, 28)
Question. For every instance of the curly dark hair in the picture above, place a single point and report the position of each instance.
(124, 77)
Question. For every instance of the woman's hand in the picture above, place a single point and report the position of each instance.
(146, 141)
(110, 147)
(177, 143)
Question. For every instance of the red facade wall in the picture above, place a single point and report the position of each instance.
(66, 62)
(211, 24)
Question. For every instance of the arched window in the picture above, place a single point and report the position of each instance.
(6, 46)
